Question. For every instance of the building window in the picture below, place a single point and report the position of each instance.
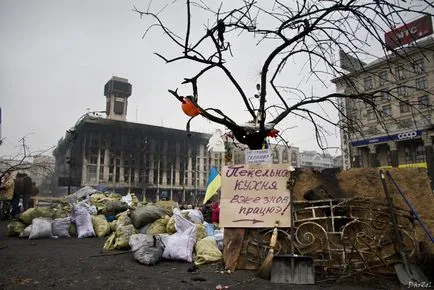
(385, 96)
(400, 72)
(101, 173)
(389, 158)
(111, 170)
(285, 157)
(421, 83)
(404, 107)
(101, 157)
(405, 123)
(423, 102)
(119, 106)
(419, 66)
(275, 156)
(387, 110)
(370, 115)
(118, 169)
(294, 159)
(402, 91)
(383, 77)
(407, 155)
(372, 130)
(91, 173)
(126, 174)
(368, 83)
(420, 154)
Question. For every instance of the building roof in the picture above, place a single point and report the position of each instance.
(116, 126)
(423, 44)
(110, 124)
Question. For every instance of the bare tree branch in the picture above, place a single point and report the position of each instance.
(314, 31)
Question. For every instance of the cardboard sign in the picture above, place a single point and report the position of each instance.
(255, 196)
(262, 156)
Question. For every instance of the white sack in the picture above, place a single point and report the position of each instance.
(83, 221)
(26, 232)
(195, 216)
(179, 246)
(128, 199)
(181, 224)
(41, 228)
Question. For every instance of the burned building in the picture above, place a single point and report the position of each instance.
(119, 156)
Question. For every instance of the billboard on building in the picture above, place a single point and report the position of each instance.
(409, 32)
(394, 137)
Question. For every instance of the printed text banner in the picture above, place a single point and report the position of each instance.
(255, 196)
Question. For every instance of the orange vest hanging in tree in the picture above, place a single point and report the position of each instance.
(189, 108)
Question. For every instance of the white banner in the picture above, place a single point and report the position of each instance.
(262, 156)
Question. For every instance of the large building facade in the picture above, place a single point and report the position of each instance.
(405, 98)
(315, 160)
(151, 161)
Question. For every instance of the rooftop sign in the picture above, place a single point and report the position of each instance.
(409, 32)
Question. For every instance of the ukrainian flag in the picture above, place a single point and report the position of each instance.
(214, 183)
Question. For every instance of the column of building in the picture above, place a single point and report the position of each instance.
(429, 156)
(393, 148)
(98, 164)
(83, 157)
(373, 160)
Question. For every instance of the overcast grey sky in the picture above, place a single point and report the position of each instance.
(56, 56)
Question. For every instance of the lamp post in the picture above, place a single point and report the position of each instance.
(195, 187)
(171, 182)
(196, 180)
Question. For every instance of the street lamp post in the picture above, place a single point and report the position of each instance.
(171, 182)
(195, 187)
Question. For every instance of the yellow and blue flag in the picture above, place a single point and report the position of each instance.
(214, 183)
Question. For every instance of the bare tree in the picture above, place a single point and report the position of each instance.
(311, 30)
(23, 161)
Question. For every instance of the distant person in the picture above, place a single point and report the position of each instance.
(27, 191)
(215, 218)
(22, 189)
(18, 189)
(6, 194)
(101, 187)
(207, 212)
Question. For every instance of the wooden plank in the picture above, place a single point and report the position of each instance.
(37, 199)
(233, 241)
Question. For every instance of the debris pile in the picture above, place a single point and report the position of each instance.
(151, 231)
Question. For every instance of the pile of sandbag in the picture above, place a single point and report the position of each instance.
(78, 215)
(182, 237)
(152, 231)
